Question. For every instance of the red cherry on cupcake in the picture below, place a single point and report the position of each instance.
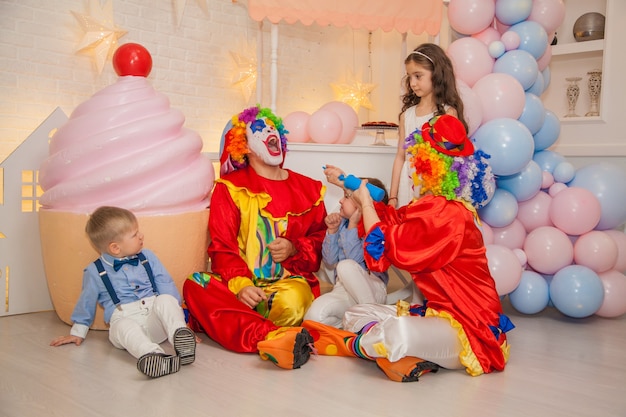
(132, 59)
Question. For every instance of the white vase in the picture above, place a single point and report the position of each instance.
(595, 83)
(573, 91)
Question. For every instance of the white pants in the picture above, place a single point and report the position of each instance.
(354, 286)
(428, 338)
(140, 326)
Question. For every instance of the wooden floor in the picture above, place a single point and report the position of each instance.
(558, 367)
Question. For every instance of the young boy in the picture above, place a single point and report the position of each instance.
(343, 249)
(139, 297)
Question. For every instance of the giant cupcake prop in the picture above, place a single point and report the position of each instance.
(123, 147)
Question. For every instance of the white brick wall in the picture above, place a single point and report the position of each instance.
(39, 69)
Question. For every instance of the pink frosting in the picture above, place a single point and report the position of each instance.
(126, 147)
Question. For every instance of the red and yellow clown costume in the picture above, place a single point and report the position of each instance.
(247, 213)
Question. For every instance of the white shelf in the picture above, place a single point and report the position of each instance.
(572, 49)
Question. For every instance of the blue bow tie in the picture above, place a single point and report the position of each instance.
(117, 264)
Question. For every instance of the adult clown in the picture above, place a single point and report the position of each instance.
(266, 227)
(435, 237)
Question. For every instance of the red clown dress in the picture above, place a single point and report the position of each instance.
(247, 213)
(438, 242)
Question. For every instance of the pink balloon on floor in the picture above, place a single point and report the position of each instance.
(296, 124)
(548, 250)
(505, 268)
(614, 303)
(596, 250)
(620, 240)
(575, 211)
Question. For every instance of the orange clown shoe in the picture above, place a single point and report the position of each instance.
(331, 341)
(407, 369)
(287, 347)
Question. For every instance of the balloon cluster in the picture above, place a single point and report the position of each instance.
(334, 122)
(549, 228)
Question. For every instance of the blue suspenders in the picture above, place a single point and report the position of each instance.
(107, 281)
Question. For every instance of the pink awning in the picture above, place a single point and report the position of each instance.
(417, 16)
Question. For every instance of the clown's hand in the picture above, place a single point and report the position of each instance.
(332, 175)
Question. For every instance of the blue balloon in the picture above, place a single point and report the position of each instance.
(501, 210)
(511, 12)
(525, 184)
(548, 160)
(509, 143)
(538, 86)
(533, 37)
(549, 132)
(520, 65)
(532, 295)
(547, 76)
(533, 114)
(608, 183)
(564, 172)
(577, 291)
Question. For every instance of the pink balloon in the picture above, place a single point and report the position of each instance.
(546, 180)
(324, 126)
(535, 212)
(511, 236)
(556, 188)
(296, 124)
(473, 112)
(471, 60)
(349, 120)
(548, 13)
(511, 40)
(521, 255)
(501, 96)
(501, 27)
(575, 211)
(544, 60)
(487, 36)
(487, 233)
(548, 250)
(471, 16)
(505, 268)
(620, 240)
(614, 304)
(596, 250)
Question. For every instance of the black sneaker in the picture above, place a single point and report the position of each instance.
(156, 364)
(185, 345)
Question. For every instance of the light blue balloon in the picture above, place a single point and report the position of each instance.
(533, 37)
(532, 295)
(538, 86)
(549, 132)
(607, 182)
(509, 143)
(577, 291)
(564, 172)
(548, 160)
(520, 65)
(525, 184)
(533, 114)
(511, 12)
(501, 210)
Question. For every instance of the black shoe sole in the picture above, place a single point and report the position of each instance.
(302, 348)
(185, 345)
(156, 365)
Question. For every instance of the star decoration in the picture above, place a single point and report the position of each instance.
(354, 93)
(245, 73)
(101, 34)
(179, 8)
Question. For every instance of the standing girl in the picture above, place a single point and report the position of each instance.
(431, 91)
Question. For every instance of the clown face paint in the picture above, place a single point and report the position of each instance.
(264, 142)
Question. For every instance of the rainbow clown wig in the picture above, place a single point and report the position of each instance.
(235, 144)
(446, 164)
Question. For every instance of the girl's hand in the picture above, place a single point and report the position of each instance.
(361, 196)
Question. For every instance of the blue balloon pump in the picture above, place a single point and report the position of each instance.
(352, 183)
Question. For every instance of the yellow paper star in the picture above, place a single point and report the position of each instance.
(101, 34)
(179, 8)
(354, 93)
(245, 73)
